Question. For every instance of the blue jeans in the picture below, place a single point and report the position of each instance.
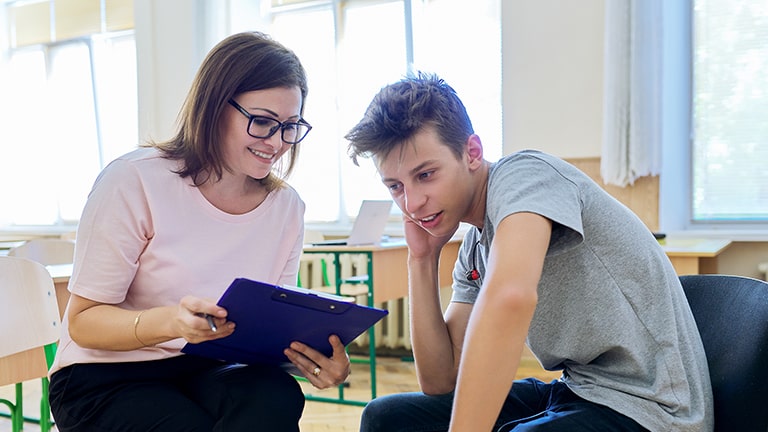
(531, 406)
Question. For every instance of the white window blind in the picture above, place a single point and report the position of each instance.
(730, 111)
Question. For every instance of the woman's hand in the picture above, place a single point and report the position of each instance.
(199, 320)
(321, 371)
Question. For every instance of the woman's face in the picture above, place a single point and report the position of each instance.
(246, 155)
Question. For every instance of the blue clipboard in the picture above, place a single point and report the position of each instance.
(269, 317)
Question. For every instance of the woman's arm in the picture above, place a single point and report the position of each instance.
(96, 325)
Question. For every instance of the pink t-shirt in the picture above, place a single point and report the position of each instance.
(147, 238)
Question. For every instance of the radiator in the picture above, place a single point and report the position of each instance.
(393, 331)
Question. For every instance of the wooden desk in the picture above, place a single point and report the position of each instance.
(387, 279)
(60, 274)
(694, 256)
(390, 275)
(389, 265)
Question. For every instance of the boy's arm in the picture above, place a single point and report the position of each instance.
(497, 329)
(436, 340)
(436, 344)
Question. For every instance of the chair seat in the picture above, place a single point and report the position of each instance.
(23, 366)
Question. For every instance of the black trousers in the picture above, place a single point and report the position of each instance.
(184, 393)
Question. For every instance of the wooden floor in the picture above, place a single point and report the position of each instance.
(393, 376)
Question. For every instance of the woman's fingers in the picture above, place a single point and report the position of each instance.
(320, 370)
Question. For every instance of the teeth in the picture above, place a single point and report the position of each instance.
(261, 154)
(429, 218)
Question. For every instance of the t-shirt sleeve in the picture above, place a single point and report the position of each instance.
(528, 183)
(113, 231)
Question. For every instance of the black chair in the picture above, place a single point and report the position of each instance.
(731, 313)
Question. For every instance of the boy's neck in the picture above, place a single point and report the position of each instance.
(476, 214)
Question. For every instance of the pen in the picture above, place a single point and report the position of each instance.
(212, 324)
(208, 318)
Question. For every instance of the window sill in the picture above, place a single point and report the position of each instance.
(16, 233)
(739, 235)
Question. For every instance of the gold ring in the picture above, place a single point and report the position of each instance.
(316, 371)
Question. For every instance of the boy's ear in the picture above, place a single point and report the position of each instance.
(474, 151)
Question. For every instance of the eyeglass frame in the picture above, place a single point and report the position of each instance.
(280, 125)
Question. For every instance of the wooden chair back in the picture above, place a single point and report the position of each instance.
(29, 317)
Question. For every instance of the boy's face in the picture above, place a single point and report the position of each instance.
(428, 182)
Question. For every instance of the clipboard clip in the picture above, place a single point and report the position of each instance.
(310, 300)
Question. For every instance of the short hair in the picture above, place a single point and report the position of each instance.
(401, 110)
(240, 63)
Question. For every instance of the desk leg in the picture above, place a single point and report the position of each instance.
(371, 360)
(371, 332)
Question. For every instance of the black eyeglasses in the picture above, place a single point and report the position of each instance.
(265, 127)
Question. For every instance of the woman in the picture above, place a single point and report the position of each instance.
(165, 230)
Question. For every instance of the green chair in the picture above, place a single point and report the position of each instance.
(29, 307)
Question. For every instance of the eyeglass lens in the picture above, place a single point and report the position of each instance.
(264, 127)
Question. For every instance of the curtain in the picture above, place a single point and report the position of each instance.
(632, 88)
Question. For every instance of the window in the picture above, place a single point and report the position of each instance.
(69, 73)
(69, 104)
(351, 49)
(714, 104)
(730, 111)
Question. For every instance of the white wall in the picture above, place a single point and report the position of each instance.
(552, 76)
(172, 39)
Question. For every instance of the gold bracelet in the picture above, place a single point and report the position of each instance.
(136, 328)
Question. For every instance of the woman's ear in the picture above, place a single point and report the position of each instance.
(474, 151)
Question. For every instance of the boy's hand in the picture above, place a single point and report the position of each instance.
(422, 244)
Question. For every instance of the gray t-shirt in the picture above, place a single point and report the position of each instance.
(611, 312)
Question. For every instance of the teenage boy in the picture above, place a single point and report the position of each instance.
(551, 261)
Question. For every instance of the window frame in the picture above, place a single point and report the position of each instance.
(676, 182)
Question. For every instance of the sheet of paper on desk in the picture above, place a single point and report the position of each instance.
(270, 317)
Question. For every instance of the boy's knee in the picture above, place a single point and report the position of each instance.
(376, 415)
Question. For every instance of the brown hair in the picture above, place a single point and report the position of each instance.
(240, 63)
(402, 109)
